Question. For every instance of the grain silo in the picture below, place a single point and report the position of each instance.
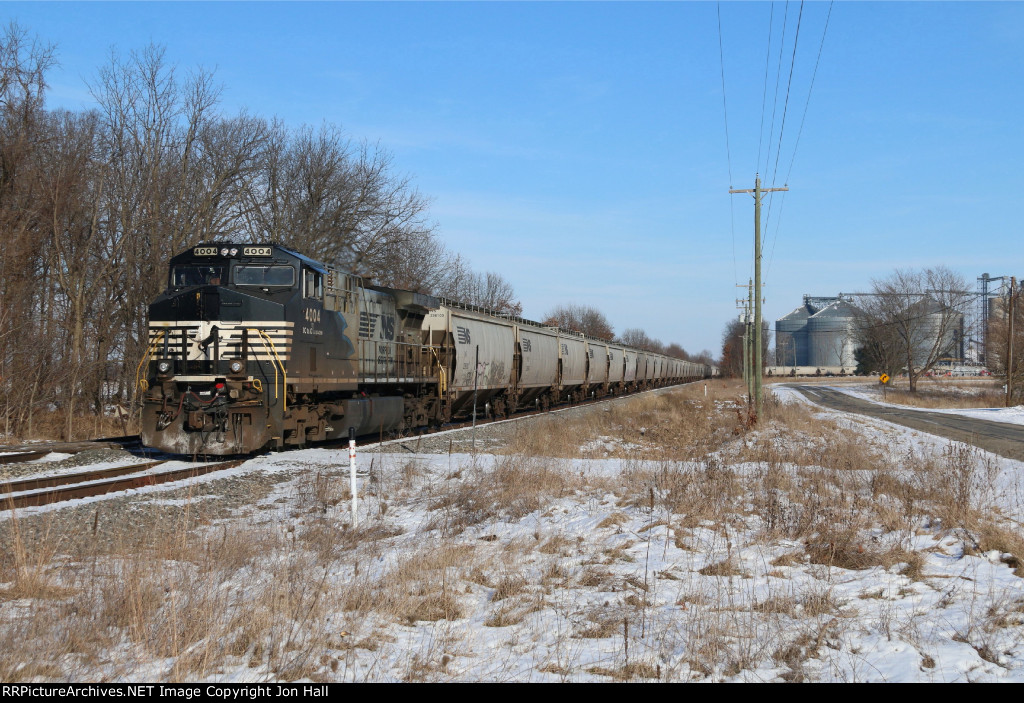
(831, 336)
(791, 337)
(936, 331)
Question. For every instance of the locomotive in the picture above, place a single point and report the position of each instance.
(258, 346)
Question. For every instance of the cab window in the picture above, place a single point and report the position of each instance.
(313, 284)
(264, 276)
(194, 275)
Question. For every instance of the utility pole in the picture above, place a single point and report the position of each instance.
(746, 359)
(1009, 342)
(748, 352)
(744, 305)
(757, 192)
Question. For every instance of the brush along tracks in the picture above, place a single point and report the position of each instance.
(64, 487)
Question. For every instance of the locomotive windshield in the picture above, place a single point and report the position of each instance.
(264, 276)
(184, 276)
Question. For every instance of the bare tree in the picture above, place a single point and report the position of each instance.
(488, 290)
(998, 348)
(581, 318)
(636, 337)
(677, 351)
(914, 319)
(732, 348)
(705, 357)
(324, 195)
(25, 296)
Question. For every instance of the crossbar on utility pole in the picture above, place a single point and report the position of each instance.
(757, 191)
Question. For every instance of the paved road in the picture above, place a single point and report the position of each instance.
(996, 437)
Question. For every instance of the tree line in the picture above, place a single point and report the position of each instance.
(591, 321)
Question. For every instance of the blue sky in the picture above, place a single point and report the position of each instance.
(579, 149)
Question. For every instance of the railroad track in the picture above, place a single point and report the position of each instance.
(63, 487)
(21, 457)
(31, 452)
(46, 490)
(404, 440)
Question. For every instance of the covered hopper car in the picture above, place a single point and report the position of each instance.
(258, 346)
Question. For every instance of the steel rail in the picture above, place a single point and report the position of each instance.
(21, 457)
(88, 490)
(32, 484)
(73, 447)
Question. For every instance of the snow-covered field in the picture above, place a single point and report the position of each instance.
(816, 547)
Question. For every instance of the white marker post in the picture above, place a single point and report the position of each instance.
(476, 377)
(352, 475)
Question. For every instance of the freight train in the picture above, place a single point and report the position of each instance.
(257, 346)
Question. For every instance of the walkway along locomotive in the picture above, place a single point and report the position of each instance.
(255, 346)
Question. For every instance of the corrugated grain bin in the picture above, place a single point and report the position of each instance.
(791, 343)
(832, 337)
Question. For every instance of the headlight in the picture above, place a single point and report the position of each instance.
(236, 366)
(234, 251)
(163, 367)
(224, 251)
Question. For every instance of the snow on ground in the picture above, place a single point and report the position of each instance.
(626, 566)
(1004, 477)
(46, 459)
(589, 573)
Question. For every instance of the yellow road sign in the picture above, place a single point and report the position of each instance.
(884, 378)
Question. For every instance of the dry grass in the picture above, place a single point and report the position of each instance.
(303, 596)
(516, 486)
(945, 393)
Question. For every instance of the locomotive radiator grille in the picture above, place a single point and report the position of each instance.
(199, 341)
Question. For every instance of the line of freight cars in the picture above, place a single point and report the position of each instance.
(256, 346)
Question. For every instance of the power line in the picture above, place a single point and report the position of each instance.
(789, 85)
(764, 91)
(811, 89)
(785, 110)
(800, 131)
(778, 76)
(725, 109)
(728, 153)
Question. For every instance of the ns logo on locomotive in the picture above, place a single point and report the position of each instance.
(259, 346)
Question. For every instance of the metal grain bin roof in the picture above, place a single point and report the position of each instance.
(794, 321)
(837, 316)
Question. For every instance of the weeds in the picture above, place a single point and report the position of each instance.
(707, 553)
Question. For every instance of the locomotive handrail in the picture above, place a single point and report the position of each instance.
(284, 374)
(148, 355)
(443, 380)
